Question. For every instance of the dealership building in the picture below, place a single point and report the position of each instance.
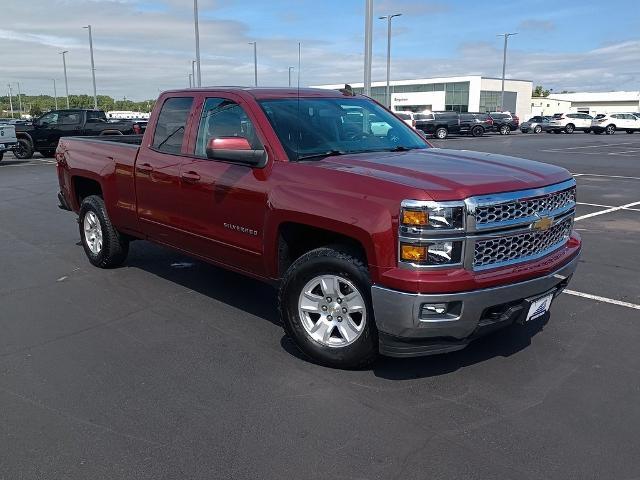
(472, 93)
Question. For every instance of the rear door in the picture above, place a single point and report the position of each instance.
(157, 173)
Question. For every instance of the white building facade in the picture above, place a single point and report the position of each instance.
(594, 103)
(472, 93)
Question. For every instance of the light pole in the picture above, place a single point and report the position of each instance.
(93, 68)
(190, 80)
(504, 65)
(197, 33)
(10, 100)
(55, 92)
(193, 72)
(255, 62)
(66, 82)
(388, 18)
(368, 43)
(19, 100)
(290, 68)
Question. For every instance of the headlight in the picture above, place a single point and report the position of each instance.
(416, 216)
(432, 252)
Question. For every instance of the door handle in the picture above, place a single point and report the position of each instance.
(145, 168)
(190, 177)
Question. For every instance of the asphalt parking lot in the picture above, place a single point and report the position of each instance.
(171, 368)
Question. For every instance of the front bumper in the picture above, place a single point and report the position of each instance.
(405, 332)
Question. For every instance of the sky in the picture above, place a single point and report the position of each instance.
(142, 47)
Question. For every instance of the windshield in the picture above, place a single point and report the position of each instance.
(315, 127)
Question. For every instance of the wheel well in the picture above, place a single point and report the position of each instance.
(83, 187)
(296, 239)
(24, 136)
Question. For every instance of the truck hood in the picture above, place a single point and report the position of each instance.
(450, 174)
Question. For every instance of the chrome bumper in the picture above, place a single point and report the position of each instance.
(399, 320)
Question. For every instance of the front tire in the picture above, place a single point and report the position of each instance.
(629, 131)
(24, 150)
(538, 129)
(610, 130)
(104, 246)
(325, 307)
(569, 128)
(505, 130)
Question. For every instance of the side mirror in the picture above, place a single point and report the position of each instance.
(235, 149)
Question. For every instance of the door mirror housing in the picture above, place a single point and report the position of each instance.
(237, 150)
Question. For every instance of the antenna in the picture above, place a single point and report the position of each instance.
(299, 130)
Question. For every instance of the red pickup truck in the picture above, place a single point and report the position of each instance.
(378, 242)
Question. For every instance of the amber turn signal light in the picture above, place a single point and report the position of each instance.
(413, 253)
(415, 217)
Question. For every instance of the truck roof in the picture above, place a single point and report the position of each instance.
(264, 92)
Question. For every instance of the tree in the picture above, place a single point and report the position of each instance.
(540, 91)
(35, 110)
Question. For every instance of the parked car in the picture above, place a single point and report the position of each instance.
(43, 133)
(438, 124)
(570, 122)
(14, 121)
(504, 122)
(407, 117)
(475, 123)
(611, 122)
(8, 140)
(377, 243)
(535, 124)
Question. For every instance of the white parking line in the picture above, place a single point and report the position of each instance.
(598, 298)
(608, 210)
(590, 146)
(595, 205)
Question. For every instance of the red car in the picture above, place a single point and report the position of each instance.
(378, 243)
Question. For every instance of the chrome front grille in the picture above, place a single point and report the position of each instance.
(497, 213)
(494, 252)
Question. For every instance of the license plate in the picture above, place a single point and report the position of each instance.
(539, 307)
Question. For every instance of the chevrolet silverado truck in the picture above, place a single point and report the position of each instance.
(378, 243)
(43, 133)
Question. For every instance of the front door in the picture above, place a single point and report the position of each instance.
(227, 202)
(45, 131)
(157, 174)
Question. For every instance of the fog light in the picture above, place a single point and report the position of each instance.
(437, 308)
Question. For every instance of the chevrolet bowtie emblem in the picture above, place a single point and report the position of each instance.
(543, 224)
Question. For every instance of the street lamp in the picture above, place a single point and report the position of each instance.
(193, 72)
(93, 69)
(190, 80)
(504, 65)
(388, 18)
(255, 62)
(19, 100)
(290, 68)
(10, 99)
(368, 44)
(197, 34)
(66, 82)
(55, 92)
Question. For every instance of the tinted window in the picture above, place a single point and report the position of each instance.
(499, 116)
(95, 116)
(69, 118)
(403, 116)
(224, 118)
(424, 116)
(600, 115)
(171, 124)
(558, 116)
(50, 118)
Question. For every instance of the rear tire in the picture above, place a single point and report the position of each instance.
(441, 133)
(610, 130)
(104, 246)
(588, 130)
(307, 310)
(629, 131)
(569, 128)
(24, 150)
(505, 130)
(477, 131)
(538, 129)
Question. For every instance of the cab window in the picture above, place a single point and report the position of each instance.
(171, 125)
(221, 118)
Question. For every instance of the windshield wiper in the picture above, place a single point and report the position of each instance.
(400, 148)
(330, 153)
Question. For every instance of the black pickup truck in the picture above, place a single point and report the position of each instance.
(43, 133)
